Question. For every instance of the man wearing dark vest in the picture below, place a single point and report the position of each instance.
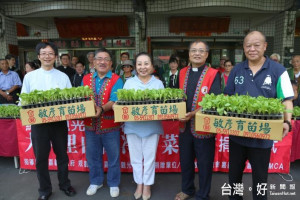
(102, 131)
(196, 80)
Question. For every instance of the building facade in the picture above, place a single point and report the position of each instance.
(160, 27)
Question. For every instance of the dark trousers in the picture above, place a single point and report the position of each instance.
(13, 94)
(43, 136)
(203, 150)
(259, 159)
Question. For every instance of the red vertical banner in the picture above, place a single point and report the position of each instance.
(167, 156)
(8, 142)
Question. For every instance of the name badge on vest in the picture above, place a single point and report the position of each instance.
(204, 90)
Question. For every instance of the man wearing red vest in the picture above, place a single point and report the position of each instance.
(102, 131)
(196, 80)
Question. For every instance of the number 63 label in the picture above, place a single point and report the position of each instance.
(239, 80)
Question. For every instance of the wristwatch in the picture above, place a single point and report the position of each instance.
(7, 92)
(102, 110)
(289, 123)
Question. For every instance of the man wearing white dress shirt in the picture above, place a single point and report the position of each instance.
(56, 133)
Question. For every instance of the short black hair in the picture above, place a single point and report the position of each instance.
(125, 53)
(33, 65)
(43, 45)
(229, 61)
(79, 62)
(173, 58)
(9, 56)
(103, 50)
(64, 54)
(37, 62)
(199, 41)
(144, 54)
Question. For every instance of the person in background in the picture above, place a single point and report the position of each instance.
(9, 84)
(74, 60)
(256, 76)
(183, 63)
(89, 68)
(127, 68)
(30, 66)
(12, 65)
(171, 76)
(65, 66)
(161, 70)
(11, 62)
(296, 99)
(228, 65)
(54, 134)
(294, 72)
(78, 76)
(142, 137)
(101, 132)
(37, 62)
(275, 57)
(196, 80)
(124, 56)
(221, 68)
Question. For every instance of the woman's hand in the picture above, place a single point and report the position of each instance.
(187, 117)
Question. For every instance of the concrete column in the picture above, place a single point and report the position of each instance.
(8, 35)
(140, 32)
(284, 35)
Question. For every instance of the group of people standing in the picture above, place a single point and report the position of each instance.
(196, 79)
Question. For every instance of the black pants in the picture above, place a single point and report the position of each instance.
(203, 150)
(13, 94)
(42, 136)
(259, 159)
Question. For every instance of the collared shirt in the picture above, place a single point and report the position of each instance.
(174, 80)
(271, 81)
(41, 79)
(118, 85)
(9, 80)
(143, 128)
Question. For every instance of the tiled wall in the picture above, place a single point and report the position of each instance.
(158, 26)
(284, 32)
(10, 37)
(158, 15)
(113, 6)
(169, 5)
(117, 6)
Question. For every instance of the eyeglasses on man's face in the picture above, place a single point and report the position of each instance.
(50, 54)
(200, 51)
(100, 59)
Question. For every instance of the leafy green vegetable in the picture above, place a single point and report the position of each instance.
(38, 96)
(296, 111)
(150, 94)
(10, 111)
(241, 104)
